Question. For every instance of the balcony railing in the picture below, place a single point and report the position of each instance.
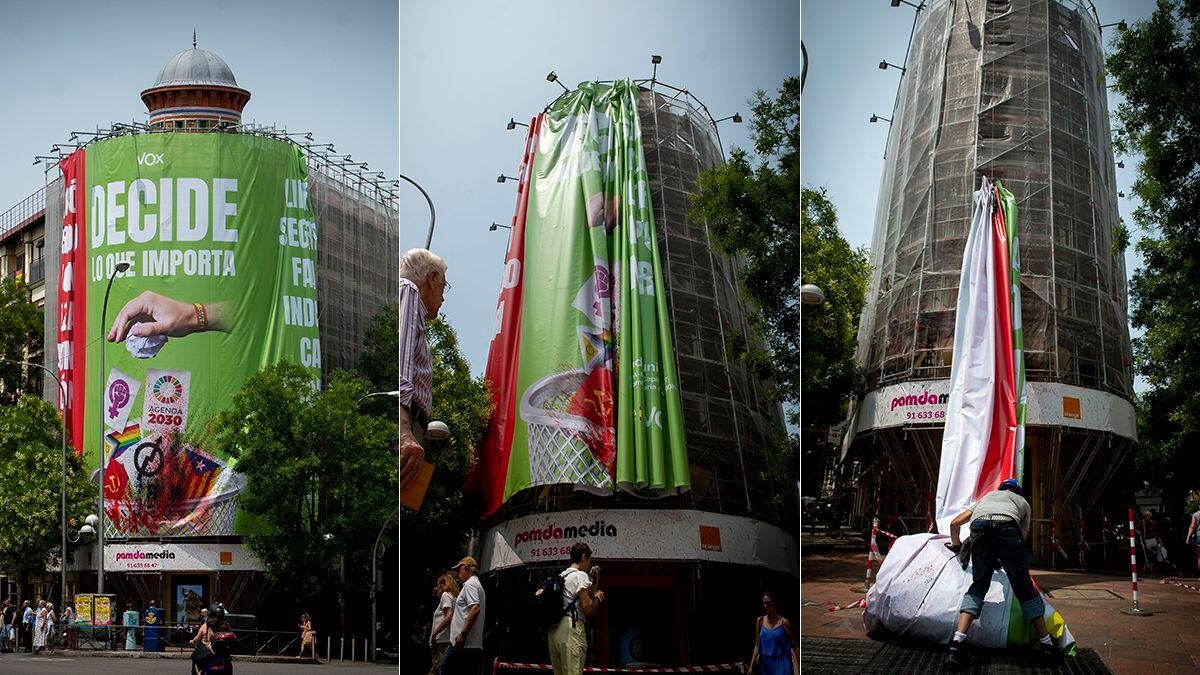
(23, 211)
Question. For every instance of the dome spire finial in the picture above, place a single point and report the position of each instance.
(193, 38)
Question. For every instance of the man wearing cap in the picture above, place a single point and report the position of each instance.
(422, 291)
(465, 652)
(999, 527)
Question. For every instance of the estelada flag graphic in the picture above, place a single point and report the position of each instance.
(201, 473)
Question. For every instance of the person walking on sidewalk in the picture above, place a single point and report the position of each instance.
(568, 640)
(1193, 534)
(775, 648)
(466, 625)
(308, 639)
(999, 527)
(25, 638)
(445, 591)
(68, 626)
(10, 627)
(39, 628)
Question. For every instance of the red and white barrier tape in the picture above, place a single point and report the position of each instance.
(861, 602)
(1173, 581)
(887, 534)
(716, 668)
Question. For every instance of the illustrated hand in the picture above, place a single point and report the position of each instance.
(411, 455)
(158, 315)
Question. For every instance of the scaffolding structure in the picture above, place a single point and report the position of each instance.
(1014, 90)
(729, 421)
(358, 227)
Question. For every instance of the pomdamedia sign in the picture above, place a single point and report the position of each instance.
(221, 247)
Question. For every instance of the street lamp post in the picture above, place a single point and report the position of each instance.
(432, 212)
(342, 557)
(375, 584)
(119, 269)
(62, 393)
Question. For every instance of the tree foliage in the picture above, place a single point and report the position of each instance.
(20, 330)
(379, 361)
(30, 494)
(436, 536)
(321, 475)
(1156, 64)
(750, 205)
(828, 332)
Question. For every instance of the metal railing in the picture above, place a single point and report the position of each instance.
(175, 637)
(23, 211)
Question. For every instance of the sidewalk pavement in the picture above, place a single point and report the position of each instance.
(1091, 603)
(173, 654)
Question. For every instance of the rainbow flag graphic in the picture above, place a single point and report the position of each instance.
(117, 443)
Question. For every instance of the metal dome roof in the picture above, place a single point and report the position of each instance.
(196, 66)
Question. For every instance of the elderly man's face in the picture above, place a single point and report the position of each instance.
(464, 573)
(433, 293)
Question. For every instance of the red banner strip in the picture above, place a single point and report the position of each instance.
(488, 476)
(72, 297)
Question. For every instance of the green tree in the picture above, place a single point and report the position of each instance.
(379, 361)
(436, 536)
(20, 330)
(830, 375)
(30, 494)
(1156, 65)
(751, 206)
(320, 474)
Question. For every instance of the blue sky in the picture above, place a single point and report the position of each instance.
(328, 68)
(842, 152)
(467, 67)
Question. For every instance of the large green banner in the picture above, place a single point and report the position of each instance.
(221, 247)
(599, 401)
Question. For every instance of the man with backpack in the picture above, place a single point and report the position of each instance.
(565, 619)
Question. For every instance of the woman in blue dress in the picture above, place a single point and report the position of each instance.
(775, 649)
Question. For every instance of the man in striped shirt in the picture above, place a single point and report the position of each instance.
(422, 290)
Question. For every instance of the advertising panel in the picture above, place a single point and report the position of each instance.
(639, 534)
(220, 244)
(595, 392)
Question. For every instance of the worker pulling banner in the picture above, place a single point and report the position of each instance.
(919, 586)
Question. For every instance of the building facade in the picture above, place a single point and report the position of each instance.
(680, 554)
(357, 275)
(1013, 91)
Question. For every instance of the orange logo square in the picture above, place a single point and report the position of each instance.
(1071, 408)
(226, 557)
(710, 538)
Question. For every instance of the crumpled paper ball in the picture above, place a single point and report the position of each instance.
(143, 347)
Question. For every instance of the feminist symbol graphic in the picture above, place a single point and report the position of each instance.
(150, 464)
(118, 395)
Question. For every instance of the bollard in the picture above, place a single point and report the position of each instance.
(1083, 546)
(1135, 610)
(353, 649)
(1053, 545)
(342, 648)
(872, 554)
(328, 648)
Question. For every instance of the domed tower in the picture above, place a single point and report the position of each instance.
(195, 90)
